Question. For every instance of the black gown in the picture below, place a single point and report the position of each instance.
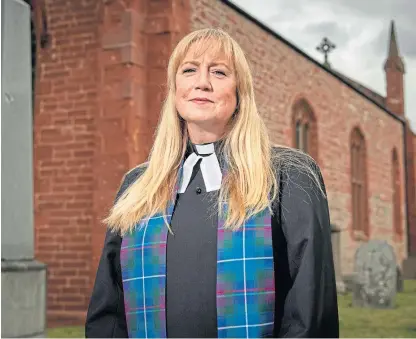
(306, 299)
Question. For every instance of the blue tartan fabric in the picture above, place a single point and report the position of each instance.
(245, 277)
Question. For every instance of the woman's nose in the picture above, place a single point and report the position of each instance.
(203, 81)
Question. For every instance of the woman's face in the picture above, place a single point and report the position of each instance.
(205, 92)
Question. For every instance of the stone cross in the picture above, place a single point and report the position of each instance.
(326, 47)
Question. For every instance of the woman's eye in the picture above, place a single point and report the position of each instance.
(218, 72)
(189, 70)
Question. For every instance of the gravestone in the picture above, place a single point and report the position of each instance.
(336, 254)
(399, 283)
(23, 279)
(375, 275)
(409, 266)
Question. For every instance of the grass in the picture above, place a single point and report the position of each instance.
(399, 322)
(66, 332)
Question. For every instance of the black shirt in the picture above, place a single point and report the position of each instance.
(191, 263)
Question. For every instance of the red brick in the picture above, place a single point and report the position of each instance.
(53, 163)
(86, 153)
(50, 206)
(43, 152)
(66, 98)
(72, 307)
(62, 154)
(80, 205)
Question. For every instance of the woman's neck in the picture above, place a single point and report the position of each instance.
(201, 136)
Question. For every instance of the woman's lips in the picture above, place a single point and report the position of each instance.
(201, 101)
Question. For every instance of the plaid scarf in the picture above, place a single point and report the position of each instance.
(245, 277)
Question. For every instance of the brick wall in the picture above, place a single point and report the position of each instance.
(99, 90)
(412, 183)
(136, 41)
(282, 77)
(120, 108)
(411, 188)
(64, 127)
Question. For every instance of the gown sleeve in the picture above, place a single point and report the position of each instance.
(309, 298)
(106, 316)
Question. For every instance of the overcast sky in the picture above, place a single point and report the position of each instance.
(359, 29)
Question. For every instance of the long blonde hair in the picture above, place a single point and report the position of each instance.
(249, 185)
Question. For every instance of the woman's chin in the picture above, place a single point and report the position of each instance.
(199, 118)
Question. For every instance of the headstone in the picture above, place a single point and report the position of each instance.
(399, 281)
(23, 280)
(336, 254)
(409, 267)
(375, 275)
(349, 281)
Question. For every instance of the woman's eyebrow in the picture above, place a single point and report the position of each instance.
(220, 64)
(197, 63)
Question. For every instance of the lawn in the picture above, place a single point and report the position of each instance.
(66, 332)
(399, 322)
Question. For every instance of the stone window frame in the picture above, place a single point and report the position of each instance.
(304, 127)
(396, 195)
(359, 186)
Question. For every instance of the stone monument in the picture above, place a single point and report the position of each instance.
(399, 281)
(336, 253)
(23, 279)
(375, 275)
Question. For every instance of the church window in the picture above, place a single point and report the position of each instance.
(360, 225)
(305, 136)
(396, 189)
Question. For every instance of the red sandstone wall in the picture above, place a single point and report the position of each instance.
(411, 187)
(137, 38)
(64, 127)
(100, 85)
(281, 77)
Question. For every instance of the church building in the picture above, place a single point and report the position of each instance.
(99, 80)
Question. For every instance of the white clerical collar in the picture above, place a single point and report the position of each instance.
(210, 168)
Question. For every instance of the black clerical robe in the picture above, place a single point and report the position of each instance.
(305, 290)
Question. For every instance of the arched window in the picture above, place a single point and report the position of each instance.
(396, 199)
(360, 225)
(305, 133)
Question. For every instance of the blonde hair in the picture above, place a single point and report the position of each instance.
(249, 185)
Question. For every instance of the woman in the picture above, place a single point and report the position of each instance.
(219, 234)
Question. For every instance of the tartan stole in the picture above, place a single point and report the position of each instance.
(245, 277)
